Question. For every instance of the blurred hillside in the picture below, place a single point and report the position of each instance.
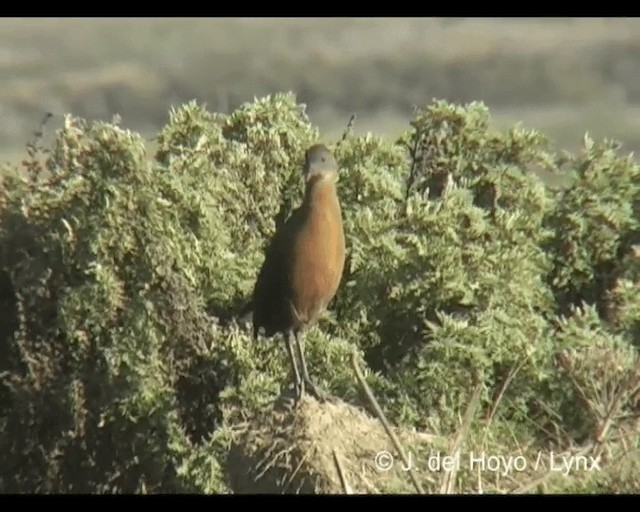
(562, 76)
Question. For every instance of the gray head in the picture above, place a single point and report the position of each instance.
(319, 164)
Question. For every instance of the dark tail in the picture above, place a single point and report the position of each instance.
(246, 314)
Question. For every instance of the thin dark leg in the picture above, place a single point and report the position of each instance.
(298, 383)
(313, 389)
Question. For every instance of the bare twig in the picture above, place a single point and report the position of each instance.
(413, 151)
(582, 397)
(270, 462)
(39, 133)
(385, 423)
(348, 129)
(341, 474)
(296, 470)
(372, 488)
(34, 149)
(614, 407)
(450, 475)
(503, 388)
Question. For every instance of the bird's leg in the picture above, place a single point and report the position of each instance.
(298, 383)
(313, 389)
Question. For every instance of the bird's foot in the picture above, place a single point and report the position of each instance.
(314, 390)
(298, 392)
(307, 386)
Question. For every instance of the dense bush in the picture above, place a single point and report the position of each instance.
(123, 370)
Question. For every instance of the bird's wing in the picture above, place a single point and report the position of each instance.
(273, 280)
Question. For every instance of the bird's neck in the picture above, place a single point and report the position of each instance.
(320, 191)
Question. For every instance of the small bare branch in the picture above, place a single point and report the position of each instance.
(385, 423)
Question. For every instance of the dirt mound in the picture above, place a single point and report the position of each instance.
(328, 448)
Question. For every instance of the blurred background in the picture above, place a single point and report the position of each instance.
(560, 75)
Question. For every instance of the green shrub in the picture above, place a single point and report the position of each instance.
(122, 370)
(596, 223)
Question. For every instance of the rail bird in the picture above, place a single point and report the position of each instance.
(303, 266)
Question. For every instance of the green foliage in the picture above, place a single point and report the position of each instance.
(603, 370)
(596, 224)
(121, 368)
(449, 280)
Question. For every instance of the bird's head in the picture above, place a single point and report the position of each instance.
(319, 164)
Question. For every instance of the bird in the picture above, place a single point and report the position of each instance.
(302, 268)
